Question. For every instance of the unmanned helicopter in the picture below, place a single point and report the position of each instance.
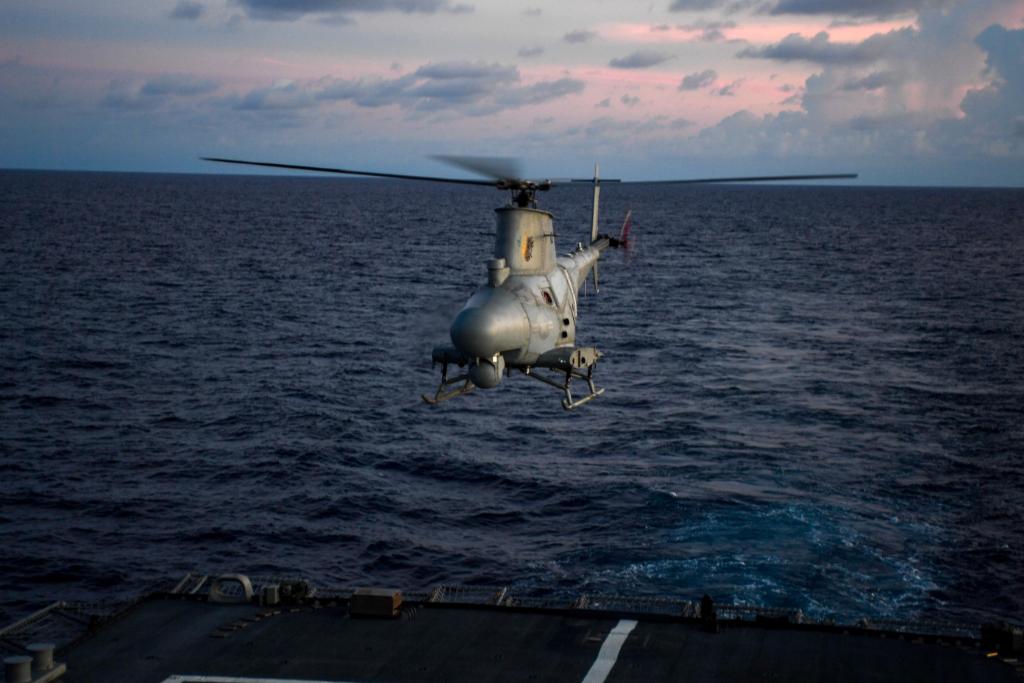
(525, 317)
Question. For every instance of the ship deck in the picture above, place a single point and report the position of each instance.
(185, 638)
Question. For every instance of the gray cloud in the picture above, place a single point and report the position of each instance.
(533, 11)
(698, 80)
(124, 95)
(186, 9)
(580, 36)
(538, 93)
(368, 93)
(710, 31)
(276, 97)
(857, 8)
(641, 59)
(729, 90)
(821, 50)
(870, 124)
(527, 52)
(178, 84)
(688, 5)
(879, 135)
(468, 70)
(680, 123)
(995, 111)
(606, 127)
(128, 95)
(874, 81)
(336, 20)
(629, 100)
(290, 10)
(604, 104)
(475, 87)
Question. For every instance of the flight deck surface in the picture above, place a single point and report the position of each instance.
(183, 639)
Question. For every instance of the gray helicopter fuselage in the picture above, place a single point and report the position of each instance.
(530, 303)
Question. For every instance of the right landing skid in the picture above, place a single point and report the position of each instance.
(570, 362)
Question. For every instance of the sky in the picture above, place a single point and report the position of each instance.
(905, 92)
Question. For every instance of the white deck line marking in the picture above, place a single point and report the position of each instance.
(609, 653)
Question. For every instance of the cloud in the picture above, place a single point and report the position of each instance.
(629, 100)
(730, 89)
(476, 88)
(129, 94)
(533, 11)
(641, 59)
(336, 20)
(538, 93)
(680, 123)
(178, 84)
(580, 36)
(186, 9)
(281, 96)
(604, 104)
(994, 112)
(448, 71)
(291, 10)
(606, 128)
(527, 52)
(710, 31)
(875, 9)
(871, 118)
(690, 5)
(698, 80)
(821, 50)
(874, 81)
(858, 8)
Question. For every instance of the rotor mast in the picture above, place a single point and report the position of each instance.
(593, 220)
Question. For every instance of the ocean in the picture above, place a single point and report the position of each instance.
(814, 395)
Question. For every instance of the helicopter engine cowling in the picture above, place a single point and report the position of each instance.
(492, 321)
(486, 373)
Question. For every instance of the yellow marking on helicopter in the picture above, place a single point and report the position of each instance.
(528, 249)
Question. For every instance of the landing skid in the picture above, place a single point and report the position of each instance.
(568, 361)
(571, 362)
(444, 393)
(568, 403)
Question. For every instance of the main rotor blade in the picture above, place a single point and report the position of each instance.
(499, 168)
(748, 179)
(320, 169)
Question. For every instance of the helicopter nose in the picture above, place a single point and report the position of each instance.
(492, 321)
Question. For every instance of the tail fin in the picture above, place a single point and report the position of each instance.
(626, 225)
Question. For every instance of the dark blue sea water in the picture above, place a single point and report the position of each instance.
(815, 396)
